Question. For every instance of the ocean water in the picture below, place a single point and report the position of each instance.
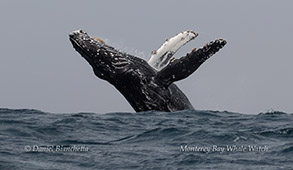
(32, 139)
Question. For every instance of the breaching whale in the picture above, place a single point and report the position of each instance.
(146, 85)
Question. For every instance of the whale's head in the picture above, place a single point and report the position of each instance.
(107, 62)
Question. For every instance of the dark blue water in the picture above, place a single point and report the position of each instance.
(31, 139)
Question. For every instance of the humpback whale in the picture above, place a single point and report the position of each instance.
(146, 85)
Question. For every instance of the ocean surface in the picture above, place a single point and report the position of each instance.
(32, 139)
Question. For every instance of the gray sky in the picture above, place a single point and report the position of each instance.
(39, 68)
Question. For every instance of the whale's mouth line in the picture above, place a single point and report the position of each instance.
(78, 47)
(82, 51)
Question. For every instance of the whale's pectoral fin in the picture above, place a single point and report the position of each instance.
(161, 57)
(181, 68)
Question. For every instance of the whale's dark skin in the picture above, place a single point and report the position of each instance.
(144, 87)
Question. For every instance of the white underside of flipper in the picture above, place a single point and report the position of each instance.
(162, 56)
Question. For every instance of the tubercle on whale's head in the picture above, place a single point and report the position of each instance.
(106, 61)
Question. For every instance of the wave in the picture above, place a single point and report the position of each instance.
(191, 138)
